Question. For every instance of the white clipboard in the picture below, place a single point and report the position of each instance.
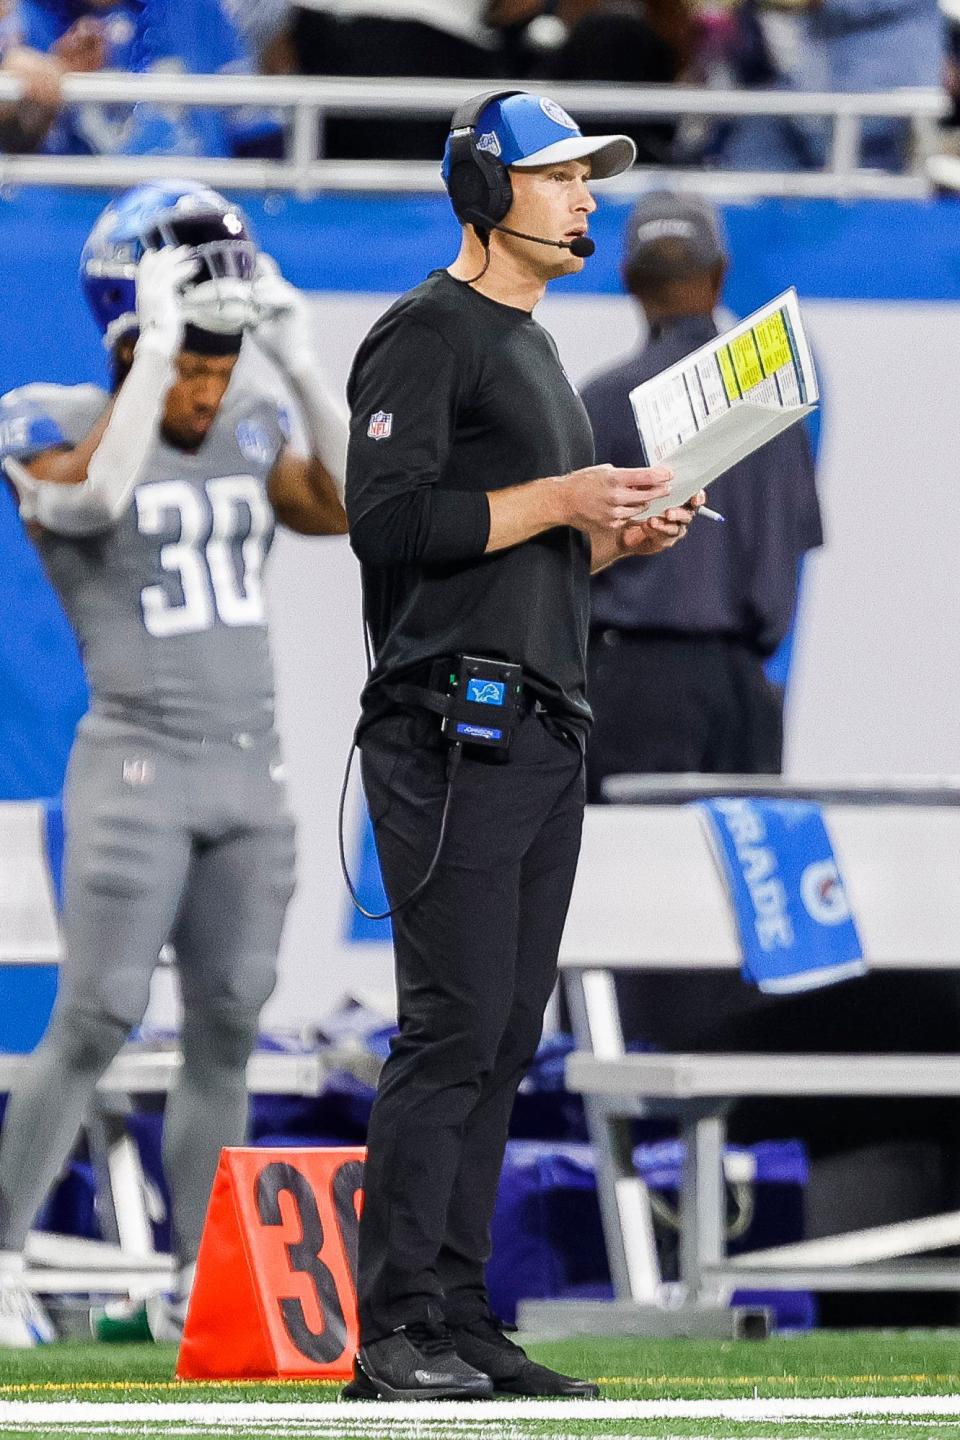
(723, 401)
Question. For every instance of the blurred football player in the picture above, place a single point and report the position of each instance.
(154, 510)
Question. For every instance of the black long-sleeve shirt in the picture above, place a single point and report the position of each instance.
(737, 579)
(451, 395)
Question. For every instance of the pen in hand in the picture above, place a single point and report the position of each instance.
(711, 514)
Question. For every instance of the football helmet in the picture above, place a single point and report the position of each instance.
(171, 212)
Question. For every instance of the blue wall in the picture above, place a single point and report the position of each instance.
(869, 250)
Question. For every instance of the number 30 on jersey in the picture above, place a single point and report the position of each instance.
(212, 571)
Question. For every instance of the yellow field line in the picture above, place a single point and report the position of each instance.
(40, 1387)
(647, 1381)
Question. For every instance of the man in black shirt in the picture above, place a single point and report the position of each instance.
(678, 648)
(477, 514)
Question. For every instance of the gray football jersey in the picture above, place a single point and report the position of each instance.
(168, 604)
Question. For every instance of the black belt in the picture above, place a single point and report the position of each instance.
(418, 691)
(424, 688)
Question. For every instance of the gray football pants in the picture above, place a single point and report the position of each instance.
(167, 839)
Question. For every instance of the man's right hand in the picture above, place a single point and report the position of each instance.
(161, 276)
(605, 497)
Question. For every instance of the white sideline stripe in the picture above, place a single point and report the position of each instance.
(310, 1432)
(344, 1426)
(398, 1416)
(337, 1426)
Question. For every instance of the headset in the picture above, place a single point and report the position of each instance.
(477, 182)
(479, 185)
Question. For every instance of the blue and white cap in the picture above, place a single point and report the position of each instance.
(524, 131)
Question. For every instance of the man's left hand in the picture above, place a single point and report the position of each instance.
(41, 75)
(649, 537)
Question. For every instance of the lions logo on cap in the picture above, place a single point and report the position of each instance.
(557, 114)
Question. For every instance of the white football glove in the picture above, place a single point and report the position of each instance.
(283, 325)
(161, 276)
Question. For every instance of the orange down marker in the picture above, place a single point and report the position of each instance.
(275, 1293)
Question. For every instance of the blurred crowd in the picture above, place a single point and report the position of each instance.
(793, 45)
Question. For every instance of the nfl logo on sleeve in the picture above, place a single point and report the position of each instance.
(381, 424)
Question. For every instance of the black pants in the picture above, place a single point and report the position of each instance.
(672, 703)
(476, 963)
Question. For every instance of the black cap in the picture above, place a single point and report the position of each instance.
(672, 235)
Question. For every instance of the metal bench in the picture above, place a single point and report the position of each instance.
(649, 896)
(125, 1262)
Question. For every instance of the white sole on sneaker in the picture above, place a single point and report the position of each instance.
(165, 1318)
(23, 1321)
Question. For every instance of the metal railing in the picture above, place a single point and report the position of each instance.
(306, 103)
(650, 789)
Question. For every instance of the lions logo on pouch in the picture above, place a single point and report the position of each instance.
(254, 443)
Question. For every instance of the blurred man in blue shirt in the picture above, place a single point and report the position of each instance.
(849, 46)
(24, 123)
(191, 36)
(676, 674)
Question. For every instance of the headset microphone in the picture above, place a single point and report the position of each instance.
(583, 247)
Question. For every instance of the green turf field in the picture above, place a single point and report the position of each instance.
(873, 1385)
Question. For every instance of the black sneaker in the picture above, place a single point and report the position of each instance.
(483, 1344)
(417, 1362)
(359, 1388)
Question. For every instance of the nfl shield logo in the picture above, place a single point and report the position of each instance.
(381, 424)
(138, 772)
